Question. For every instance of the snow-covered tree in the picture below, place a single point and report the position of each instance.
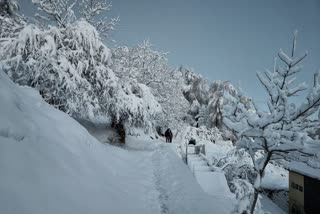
(59, 11)
(10, 22)
(217, 99)
(196, 92)
(282, 131)
(92, 9)
(150, 67)
(62, 12)
(141, 62)
(207, 100)
(70, 68)
(8, 6)
(67, 65)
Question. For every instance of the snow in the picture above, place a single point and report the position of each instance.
(214, 183)
(285, 57)
(49, 164)
(267, 204)
(275, 178)
(304, 169)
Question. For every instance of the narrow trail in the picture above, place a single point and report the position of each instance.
(174, 184)
(163, 195)
(152, 153)
(166, 183)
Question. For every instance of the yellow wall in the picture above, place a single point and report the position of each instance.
(296, 197)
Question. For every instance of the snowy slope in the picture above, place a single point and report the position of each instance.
(51, 164)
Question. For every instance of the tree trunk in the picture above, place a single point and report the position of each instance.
(258, 190)
(119, 127)
(255, 199)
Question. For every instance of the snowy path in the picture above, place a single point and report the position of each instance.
(166, 183)
(176, 188)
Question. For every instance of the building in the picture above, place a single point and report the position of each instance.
(304, 189)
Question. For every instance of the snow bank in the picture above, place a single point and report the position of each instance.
(215, 183)
(50, 164)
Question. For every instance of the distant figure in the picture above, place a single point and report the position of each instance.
(192, 141)
(168, 134)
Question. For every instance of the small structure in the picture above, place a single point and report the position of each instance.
(200, 149)
(194, 149)
(304, 189)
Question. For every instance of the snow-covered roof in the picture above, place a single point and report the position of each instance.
(304, 169)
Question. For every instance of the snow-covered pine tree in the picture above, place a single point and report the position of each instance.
(282, 131)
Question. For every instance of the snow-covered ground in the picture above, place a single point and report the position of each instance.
(49, 163)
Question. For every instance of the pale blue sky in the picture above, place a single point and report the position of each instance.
(221, 39)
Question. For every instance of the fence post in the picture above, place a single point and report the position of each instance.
(197, 149)
(203, 149)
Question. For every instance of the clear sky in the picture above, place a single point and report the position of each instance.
(221, 39)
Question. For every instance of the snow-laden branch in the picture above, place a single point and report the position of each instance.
(62, 12)
(91, 10)
(284, 131)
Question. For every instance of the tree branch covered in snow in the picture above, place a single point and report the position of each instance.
(62, 12)
(10, 22)
(59, 11)
(282, 131)
(92, 9)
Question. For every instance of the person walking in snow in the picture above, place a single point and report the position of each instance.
(192, 142)
(168, 134)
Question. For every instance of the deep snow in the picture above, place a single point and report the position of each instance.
(49, 163)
